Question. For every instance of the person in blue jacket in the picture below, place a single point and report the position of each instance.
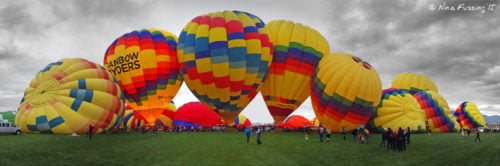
(248, 133)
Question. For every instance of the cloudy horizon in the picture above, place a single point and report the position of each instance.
(457, 49)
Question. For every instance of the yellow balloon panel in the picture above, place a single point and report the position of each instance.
(413, 83)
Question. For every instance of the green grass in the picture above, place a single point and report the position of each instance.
(229, 148)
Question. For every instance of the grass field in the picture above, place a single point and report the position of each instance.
(229, 148)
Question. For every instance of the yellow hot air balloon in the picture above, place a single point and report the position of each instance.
(69, 95)
(224, 58)
(145, 64)
(345, 91)
(397, 109)
(413, 83)
(297, 51)
(469, 116)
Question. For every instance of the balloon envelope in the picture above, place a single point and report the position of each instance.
(437, 112)
(469, 116)
(398, 108)
(69, 95)
(242, 120)
(345, 91)
(413, 83)
(195, 114)
(132, 119)
(224, 57)
(297, 51)
(298, 121)
(145, 64)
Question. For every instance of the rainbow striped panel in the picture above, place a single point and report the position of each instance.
(398, 108)
(436, 110)
(297, 51)
(145, 63)
(469, 116)
(69, 95)
(345, 91)
(413, 83)
(224, 57)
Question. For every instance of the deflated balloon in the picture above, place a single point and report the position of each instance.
(345, 91)
(224, 58)
(413, 83)
(398, 108)
(468, 116)
(297, 121)
(437, 112)
(69, 95)
(145, 64)
(297, 51)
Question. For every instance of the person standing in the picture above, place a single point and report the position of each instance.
(344, 131)
(477, 136)
(90, 130)
(328, 132)
(367, 136)
(408, 132)
(248, 133)
(384, 138)
(321, 131)
(259, 132)
(354, 134)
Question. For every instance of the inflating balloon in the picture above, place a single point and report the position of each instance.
(242, 120)
(145, 64)
(224, 58)
(69, 95)
(297, 51)
(296, 121)
(413, 83)
(468, 116)
(437, 112)
(132, 119)
(398, 108)
(196, 114)
(345, 91)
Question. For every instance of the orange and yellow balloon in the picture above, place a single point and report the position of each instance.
(145, 64)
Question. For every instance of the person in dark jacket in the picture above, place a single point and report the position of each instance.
(354, 134)
(384, 138)
(259, 132)
(90, 131)
(408, 132)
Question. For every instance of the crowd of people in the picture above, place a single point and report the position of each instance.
(395, 140)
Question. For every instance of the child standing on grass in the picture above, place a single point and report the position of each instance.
(328, 133)
(477, 136)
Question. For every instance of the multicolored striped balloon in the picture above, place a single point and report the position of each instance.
(297, 51)
(468, 116)
(398, 108)
(413, 83)
(345, 91)
(69, 95)
(224, 58)
(436, 110)
(145, 64)
(132, 119)
(242, 120)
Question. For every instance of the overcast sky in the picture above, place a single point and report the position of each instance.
(457, 49)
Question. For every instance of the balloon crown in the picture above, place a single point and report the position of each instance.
(365, 64)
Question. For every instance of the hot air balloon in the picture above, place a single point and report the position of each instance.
(345, 91)
(224, 58)
(468, 116)
(69, 95)
(297, 51)
(315, 121)
(296, 121)
(132, 119)
(398, 108)
(242, 121)
(413, 83)
(145, 64)
(196, 114)
(437, 112)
